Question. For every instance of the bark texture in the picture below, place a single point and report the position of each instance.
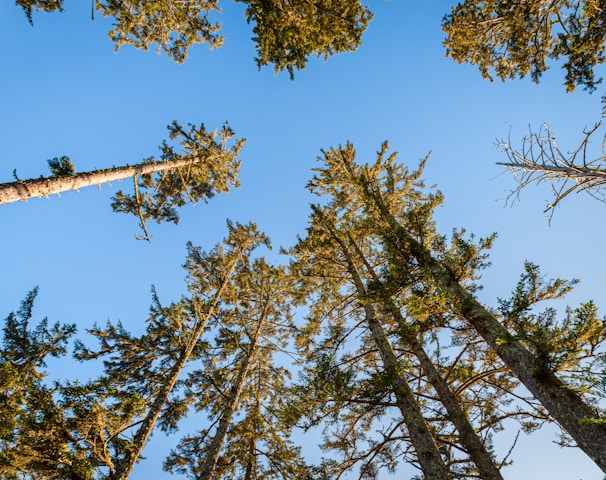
(421, 438)
(43, 187)
(563, 404)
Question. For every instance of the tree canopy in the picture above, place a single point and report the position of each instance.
(513, 39)
(286, 32)
(369, 330)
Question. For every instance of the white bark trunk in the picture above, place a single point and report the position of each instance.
(43, 187)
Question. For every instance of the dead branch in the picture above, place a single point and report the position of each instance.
(540, 160)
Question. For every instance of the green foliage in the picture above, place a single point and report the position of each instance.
(34, 441)
(517, 38)
(157, 196)
(61, 167)
(569, 346)
(46, 5)
(173, 26)
(240, 388)
(287, 32)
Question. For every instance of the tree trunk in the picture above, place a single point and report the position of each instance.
(43, 187)
(467, 435)
(563, 404)
(214, 451)
(140, 438)
(429, 457)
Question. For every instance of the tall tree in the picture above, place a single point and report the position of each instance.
(510, 39)
(342, 237)
(321, 255)
(240, 387)
(286, 32)
(207, 166)
(514, 38)
(374, 187)
(34, 440)
(149, 366)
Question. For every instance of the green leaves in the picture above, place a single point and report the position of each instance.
(33, 435)
(61, 167)
(173, 26)
(517, 38)
(287, 32)
(46, 5)
(213, 170)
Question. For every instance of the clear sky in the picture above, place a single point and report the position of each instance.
(64, 91)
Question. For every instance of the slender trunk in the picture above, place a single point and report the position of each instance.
(467, 435)
(214, 451)
(429, 457)
(563, 404)
(149, 423)
(250, 464)
(43, 187)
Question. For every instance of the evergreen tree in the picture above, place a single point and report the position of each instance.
(341, 238)
(241, 389)
(286, 32)
(372, 188)
(146, 369)
(207, 166)
(34, 440)
(324, 260)
(513, 38)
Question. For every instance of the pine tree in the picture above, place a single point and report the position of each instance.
(207, 166)
(515, 38)
(147, 368)
(321, 254)
(240, 388)
(34, 440)
(286, 32)
(371, 188)
(342, 239)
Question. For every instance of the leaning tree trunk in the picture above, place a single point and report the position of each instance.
(140, 438)
(43, 187)
(428, 455)
(580, 421)
(214, 451)
(467, 435)
(421, 438)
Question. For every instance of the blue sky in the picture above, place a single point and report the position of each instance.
(64, 91)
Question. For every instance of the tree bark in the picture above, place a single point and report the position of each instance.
(212, 455)
(563, 404)
(43, 187)
(467, 435)
(428, 455)
(140, 438)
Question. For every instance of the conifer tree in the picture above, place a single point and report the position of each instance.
(148, 367)
(512, 39)
(241, 389)
(342, 240)
(321, 256)
(34, 440)
(371, 189)
(286, 32)
(208, 166)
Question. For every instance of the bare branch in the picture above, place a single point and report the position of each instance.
(540, 160)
